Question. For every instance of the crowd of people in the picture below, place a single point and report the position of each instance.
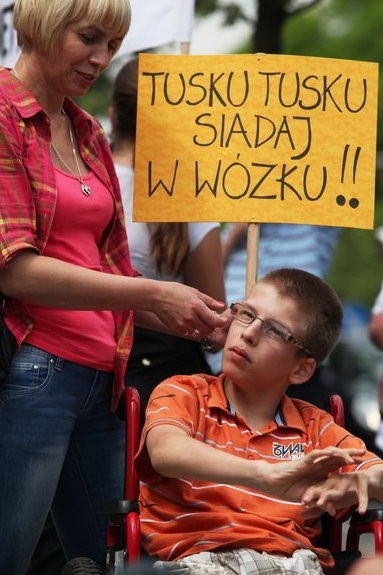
(92, 301)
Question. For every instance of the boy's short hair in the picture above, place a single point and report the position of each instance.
(41, 23)
(321, 309)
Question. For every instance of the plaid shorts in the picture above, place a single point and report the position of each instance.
(243, 562)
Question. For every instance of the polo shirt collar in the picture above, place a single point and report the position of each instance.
(287, 414)
(217, 396)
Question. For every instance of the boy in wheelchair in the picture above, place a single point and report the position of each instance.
(234, 474)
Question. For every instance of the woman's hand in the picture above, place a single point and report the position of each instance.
(216, 340)
(187, 311)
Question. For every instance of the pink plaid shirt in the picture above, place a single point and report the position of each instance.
(28, 198)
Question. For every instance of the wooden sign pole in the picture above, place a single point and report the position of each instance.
(252, 256)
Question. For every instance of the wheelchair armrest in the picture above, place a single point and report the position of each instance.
(374, 512)
(369, 522)
(121, 507)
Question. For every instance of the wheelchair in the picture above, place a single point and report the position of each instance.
(123, 546)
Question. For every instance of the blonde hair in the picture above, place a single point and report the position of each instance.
(169, 246)
(41, 23)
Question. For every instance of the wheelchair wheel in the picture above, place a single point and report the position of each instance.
(81, 566)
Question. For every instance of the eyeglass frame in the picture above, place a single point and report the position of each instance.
(285, 335)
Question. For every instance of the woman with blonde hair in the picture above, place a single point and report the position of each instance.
(68, 286)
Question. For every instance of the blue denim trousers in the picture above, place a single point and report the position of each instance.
(61, 448)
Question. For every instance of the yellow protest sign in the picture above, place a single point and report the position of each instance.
(256, 138)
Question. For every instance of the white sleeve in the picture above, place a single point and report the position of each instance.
(197, 232)
(378, 304)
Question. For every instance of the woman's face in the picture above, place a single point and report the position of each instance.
(86, 51)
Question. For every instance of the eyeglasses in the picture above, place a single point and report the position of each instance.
(269, 328)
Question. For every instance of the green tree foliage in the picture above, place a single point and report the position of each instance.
(337, 29)
(97, 99)
(267, 26)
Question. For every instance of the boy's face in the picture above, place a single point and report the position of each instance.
(252, 358)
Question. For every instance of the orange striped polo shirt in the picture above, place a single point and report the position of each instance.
(180, 517)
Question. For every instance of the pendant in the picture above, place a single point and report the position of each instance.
(85, 190)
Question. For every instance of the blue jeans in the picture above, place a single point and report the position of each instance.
(61, 448)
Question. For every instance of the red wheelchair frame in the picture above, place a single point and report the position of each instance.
(370, 522)
(123, 537)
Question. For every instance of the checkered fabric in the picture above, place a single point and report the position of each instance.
(243, 562)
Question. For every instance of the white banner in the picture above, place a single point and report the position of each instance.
(157, 23)
(8, 41)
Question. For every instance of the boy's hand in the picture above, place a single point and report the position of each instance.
(292, 479)
(336, 492)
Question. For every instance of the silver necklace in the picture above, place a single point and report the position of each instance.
(86, 190)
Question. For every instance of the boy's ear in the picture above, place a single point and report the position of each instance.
(303, 370)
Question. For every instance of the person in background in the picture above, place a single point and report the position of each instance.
(68, 285)
(234, 474)
(376, 335)
(302, 246)
(189, 253)
(307, 247)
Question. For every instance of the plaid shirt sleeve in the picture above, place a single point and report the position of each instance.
(17, 213)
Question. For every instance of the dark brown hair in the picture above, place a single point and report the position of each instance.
(124, 101)
(169, 244)
(320, 307)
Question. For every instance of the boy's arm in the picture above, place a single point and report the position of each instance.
(342, 490)
(173, 453)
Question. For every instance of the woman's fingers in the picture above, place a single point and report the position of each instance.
(186, 310)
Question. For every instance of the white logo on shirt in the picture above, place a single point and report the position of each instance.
(290, 451)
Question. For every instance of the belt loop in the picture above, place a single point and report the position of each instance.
(58, 363)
